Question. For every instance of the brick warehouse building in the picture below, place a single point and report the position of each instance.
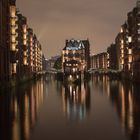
(20, 50)
(4, 40)
(134, 42)
(77, 52)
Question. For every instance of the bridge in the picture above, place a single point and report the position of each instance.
(103, 71)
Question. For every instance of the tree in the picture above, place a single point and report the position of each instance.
(58, 63)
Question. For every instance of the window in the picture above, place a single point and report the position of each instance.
(138, 31)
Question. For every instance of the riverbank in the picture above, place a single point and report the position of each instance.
(114, 74)
(14, 82)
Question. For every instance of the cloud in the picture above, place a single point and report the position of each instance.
(56, 20)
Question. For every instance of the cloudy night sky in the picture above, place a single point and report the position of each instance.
(54, 21)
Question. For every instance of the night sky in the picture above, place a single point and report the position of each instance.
(54, 21)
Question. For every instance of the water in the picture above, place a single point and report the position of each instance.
(48, 110)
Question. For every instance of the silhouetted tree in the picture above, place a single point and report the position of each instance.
(58, 63)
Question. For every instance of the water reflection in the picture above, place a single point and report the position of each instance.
(127, 104)
(26, 113)
(125, 97)
(76, 101)
(19, 110)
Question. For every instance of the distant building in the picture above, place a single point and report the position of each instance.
(54, 59)
(112, 57)
(37, 55)
(87, 53)
(99, 61)
(48, 64)
(44, 63)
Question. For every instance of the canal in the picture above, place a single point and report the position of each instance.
(101, 108)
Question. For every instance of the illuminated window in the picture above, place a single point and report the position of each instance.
(122, 55)
(24, 28)
(25, 53)
(13, 31)
(13, 22)
(122, 41)
(12, 11)
(13, 68)
(130, 59)
(24, 36)
(13, 39)
(129, 39)
(129, 51)
(13, 47)
(138, 31)
(122, 46)
(129, 66)
(122, 51)
(122, 61)
(25, 61)
(121, 30)
(25, 42)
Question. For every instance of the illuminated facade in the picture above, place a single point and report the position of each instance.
(76, 56)
(29, 55)
(30, 50)
(13, 39)
(99, 61)
(134, 40)
(20, 55)
(123, 49)
(22, 46)
(124, 54)
(37, 56)
(128, 42)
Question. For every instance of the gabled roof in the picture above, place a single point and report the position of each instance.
(74, 45)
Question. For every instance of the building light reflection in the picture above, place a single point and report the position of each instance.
(21, 110)
(123, 113)
(130, 114)
(76, 101)
(16, 126)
